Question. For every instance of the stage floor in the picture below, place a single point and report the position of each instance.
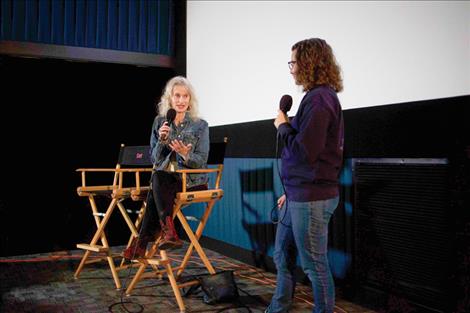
(44, 283)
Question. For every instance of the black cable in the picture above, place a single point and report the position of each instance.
(279, 221)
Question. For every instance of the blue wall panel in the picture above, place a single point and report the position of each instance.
(90, 26)
(101, 24)
(112, 24)
(31, 21)
(69, 23)
(5, 23)
(57, 22)
(243, 216)
(18, 19)
(152, 24)
(80, 23)
(129, 25)
(133, 33)
(123, 24)
(142, 40)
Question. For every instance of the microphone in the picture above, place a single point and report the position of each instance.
(171, 114)
(285, 103)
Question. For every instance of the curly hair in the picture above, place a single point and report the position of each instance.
(165, 101)
(317, 65)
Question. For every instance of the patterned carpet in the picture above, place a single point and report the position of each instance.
(44, 283)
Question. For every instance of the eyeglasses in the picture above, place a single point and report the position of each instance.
(291, 64)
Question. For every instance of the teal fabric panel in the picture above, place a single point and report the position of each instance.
(80, 23)
(57, 23)
(31, 21)
(112, 23)
(90, 27)
(19, 8)
(44, 22)
(243, 216)
(132, 39)
(143, 22)
(129, 25)
(5, 7)
(162, 29)
(101, 24)
(69, 23)
(123, 23)
(152, 24)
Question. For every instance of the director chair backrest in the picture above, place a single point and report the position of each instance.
(132, 158)
(216, 159)
(129, 156)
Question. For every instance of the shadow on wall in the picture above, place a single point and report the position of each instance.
(257, 187)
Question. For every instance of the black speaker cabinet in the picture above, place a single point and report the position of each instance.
(410, 241)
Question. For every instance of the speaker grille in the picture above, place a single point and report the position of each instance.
(403, 227)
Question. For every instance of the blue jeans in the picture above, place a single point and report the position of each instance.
(304, 229)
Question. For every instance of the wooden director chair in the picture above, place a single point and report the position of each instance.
(185, 198)
(129, 158)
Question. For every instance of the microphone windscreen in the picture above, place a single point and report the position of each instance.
(170, 115)
(285, 104)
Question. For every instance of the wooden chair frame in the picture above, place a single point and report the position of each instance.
(117, 192)
(182, 199)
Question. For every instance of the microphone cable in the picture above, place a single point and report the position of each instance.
(279, 220)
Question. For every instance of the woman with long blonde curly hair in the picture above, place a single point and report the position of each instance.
(177, 142)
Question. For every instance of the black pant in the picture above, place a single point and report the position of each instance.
(161, 198)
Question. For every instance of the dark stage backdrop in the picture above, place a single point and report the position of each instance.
(58, 116)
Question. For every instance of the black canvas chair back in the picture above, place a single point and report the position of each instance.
(135, 156)
(217, 152)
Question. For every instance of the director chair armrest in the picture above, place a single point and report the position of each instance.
(83, 170)
(85, 190)
(217, 170)
(136, 191)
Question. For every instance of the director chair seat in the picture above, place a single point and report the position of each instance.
(182, 199)
(130, 157)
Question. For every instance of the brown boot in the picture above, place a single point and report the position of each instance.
(137, 248)
(169, 238)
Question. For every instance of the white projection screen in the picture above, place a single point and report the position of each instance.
(389, 52)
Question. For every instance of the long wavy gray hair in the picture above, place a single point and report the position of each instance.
(165, 101)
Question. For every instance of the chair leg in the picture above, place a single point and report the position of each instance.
(99, 234)
(199, 230)
(136, 278)
(104, 221)
(117, 282)
(195, 242)
(137, 224)
(82, 264)
(172, 279)
(130, 224)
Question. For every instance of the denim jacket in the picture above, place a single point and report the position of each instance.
(189, 131)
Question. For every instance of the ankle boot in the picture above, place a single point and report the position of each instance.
(169, 238)
(137, 248)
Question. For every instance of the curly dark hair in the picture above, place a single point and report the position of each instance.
(317, 65)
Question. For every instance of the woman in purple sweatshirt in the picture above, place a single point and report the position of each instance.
(311, 163)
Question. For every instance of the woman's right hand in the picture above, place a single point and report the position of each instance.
(281, 201)
(164, 131)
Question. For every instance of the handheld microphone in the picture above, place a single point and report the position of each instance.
(285, 103)
(171, 115)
